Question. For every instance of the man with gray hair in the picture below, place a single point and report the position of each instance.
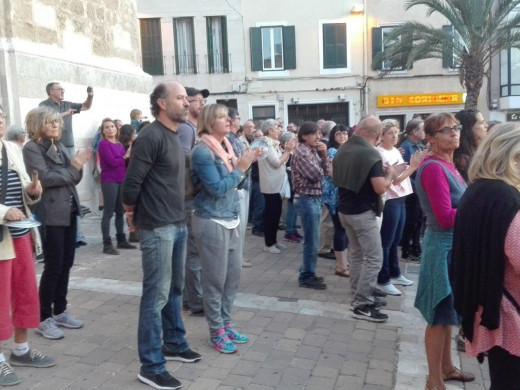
(325, 130)
(361, 179)
(16, 134)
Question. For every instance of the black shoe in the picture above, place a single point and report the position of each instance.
(313, 283)
(319, 278)
(379, 293)
(80, 243)
(185, 306)
(160, 381)
(125, 245)
(257, 233)
(198, 313)
(133, 237)
(378, 302)
(328, 255)
(188, 356)
(369, 313)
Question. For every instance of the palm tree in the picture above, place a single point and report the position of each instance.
(478, 31)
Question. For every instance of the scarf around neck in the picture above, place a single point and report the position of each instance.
(228, 157)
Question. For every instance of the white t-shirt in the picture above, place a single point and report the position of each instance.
(392, 157)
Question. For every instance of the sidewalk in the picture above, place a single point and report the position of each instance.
(300, 339)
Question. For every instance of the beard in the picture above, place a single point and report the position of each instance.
(178, 116)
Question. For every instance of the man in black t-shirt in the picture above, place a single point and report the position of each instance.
(361, 180)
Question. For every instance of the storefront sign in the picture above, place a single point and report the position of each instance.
(513, 116)
(422, 99)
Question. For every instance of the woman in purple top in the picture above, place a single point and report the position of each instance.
(112, 159)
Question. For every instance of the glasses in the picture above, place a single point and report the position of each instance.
(52, 122)
(345, 133)
(58, 89)
(447, 130)
(3, 116)
(200, 101)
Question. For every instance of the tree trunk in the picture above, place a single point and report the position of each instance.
(473, 80)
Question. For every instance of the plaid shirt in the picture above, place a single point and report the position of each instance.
(239, 149)
(308, 169)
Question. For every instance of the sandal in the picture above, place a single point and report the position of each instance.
(458, 375)
(344, 274)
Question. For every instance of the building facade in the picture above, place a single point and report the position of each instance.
(77, 43)
(294, 59)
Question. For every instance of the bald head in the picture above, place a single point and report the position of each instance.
(370, 129)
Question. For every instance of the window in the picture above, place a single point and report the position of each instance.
(334, 45)
(185, 58)
(510, 72)
(379, 42)
(151, 46)
(261, 113)
(272, 48)
(450, 58)
(218, 60)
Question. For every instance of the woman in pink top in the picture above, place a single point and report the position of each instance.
(486, 256)
(112, 158)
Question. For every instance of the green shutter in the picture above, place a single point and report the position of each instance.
(377, 48)
(255, 35)
(328, 46)
(151, 46)
(176, 40)
(289, 47)
(225, 54)
(447, 49)
(193, 47)
(209, 36)
(341, 45)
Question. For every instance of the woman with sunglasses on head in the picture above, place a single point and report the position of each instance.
(439, 188)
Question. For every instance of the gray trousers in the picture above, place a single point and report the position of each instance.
(243, 198)
(365, 254)
(220, 252)
(192, 295)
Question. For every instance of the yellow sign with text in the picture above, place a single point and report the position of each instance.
(422, 99)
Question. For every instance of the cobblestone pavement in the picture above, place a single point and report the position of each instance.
(299, 338)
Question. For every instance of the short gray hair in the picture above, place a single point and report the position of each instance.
(13, 132)
(327, 127)
(267, 125)
(286, 136)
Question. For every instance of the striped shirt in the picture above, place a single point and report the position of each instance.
(14, 198)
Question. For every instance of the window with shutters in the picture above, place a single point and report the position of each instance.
(334, 47)
(185, 57)
(218, 57)
(272, 48)
(380, 41)
(450, 58)
(510, 72)
(151, 46)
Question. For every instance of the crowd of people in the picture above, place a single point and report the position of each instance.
(445, 190)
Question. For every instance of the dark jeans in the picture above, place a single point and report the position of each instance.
(394, 216)
(112, 199)
(504, 370)
(272, 214)
(256, 208)
(309, 210)
(340, 235)
(411, 240)
(60, 247)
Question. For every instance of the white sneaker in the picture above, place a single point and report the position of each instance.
(401, 280)
(280, 246)
(246, 264)
(389, 288)
(272, 249)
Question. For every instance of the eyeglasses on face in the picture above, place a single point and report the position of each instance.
(447, 129)
(58, 89)
(200, 101)
(3, 116)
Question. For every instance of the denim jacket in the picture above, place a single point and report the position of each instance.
(217, 196)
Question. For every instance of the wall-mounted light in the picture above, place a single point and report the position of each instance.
(342, 97)
(357, 9)
(295, 100)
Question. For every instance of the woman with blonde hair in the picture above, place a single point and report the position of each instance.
(58, 173)
(217, 174)
(486, 256)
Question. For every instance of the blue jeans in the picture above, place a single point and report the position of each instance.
(163, 255)
(256, 205)
(290, 218)
(394, 218)
(309, 210)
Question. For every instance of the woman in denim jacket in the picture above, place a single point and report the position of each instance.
(216, 174)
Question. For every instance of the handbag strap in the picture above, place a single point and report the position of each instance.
(5, 165)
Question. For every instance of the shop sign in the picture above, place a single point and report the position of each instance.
(513, 116)
(422, 99)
